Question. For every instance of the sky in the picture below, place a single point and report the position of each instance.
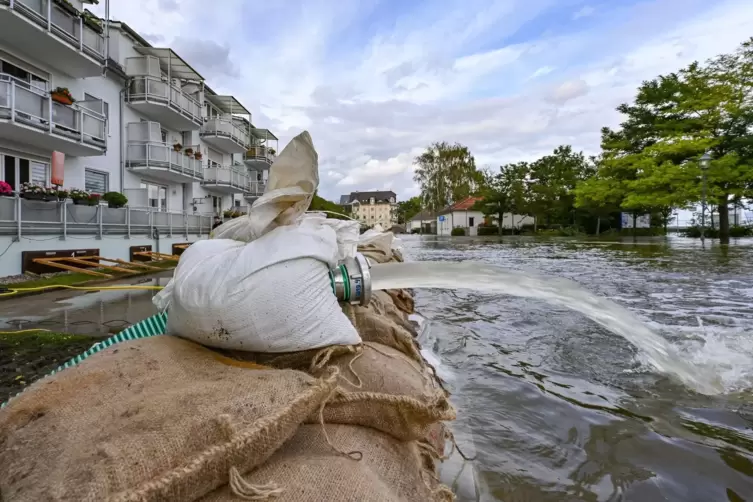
(376, 81)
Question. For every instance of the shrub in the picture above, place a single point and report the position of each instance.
(5, 188)
(740, 231)
(458, 232)
(488, 230)
(115, 199)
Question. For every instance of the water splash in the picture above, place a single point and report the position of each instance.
(656, 351)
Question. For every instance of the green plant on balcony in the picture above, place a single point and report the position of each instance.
(92, 21)
(34, 191)
(272, 151)
(115, 199)
(68, 7)
(177, 147)
(62, 95)
(84, 197)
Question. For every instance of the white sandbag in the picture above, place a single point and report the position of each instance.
(271, 295)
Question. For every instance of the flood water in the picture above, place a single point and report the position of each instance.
(561, 409)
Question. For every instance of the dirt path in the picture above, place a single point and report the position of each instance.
(26, 357)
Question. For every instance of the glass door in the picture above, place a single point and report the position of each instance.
(157, 196)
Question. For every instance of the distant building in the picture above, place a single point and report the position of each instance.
(371, 208)
(460, 215)
(424, 222)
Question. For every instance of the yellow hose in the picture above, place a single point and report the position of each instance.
(12, 291)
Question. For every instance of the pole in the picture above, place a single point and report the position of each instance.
(703, 208)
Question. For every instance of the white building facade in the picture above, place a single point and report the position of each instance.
(142, 122)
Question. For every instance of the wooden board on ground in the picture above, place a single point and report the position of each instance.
(139, 249)
(180, 247)
(29, 263)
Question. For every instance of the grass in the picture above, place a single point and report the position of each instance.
(29, 356)
(79, 279)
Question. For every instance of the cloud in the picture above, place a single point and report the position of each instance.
(375, 81)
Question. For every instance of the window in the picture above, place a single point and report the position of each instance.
(96, 181)
(16, 171)
(470, 221)
(217, 205)
(157, 195)
(23, 75)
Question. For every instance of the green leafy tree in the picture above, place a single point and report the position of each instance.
(321, 204)
(407, 209)
(504, 192)
(446, 173)
(652, 160)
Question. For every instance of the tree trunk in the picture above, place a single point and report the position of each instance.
(723, 223)
(501, 219)
(598, 225)
(635, 222)
(535, 224)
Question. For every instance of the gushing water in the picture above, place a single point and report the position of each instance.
(492, 279)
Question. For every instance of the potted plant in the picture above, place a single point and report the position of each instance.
(92, 21)
(271, 151)
(5, 189)
(115, 199)
(62, 95)
(94, 199)
(188, 151)
(197, 155)
(61, 194)
(79, 197)
(67, 7)
(32, 191)
(177, 147)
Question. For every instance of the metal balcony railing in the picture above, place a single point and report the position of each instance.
(225, 128)
(255, 188)
(162, 156)
(260, 153)
(156, 90)
(20, 217)
(23, 103)
(65, 22)
(226, 175)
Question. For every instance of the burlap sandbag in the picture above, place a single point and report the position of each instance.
(153, 419)
(308, 469)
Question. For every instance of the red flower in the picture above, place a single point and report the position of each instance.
(5, 188)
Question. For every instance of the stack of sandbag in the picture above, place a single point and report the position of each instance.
(389, 407)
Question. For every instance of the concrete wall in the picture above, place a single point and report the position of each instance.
(109, 246)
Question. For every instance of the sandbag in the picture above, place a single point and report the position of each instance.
(273, 294)
(308, 469)
(153, 419)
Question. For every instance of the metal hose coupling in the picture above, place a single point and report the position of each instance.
(351, 280)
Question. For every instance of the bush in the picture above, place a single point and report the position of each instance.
(458, 232)
(415, 230)
(488, 230)
(735, 232)
(740, 231)
(115, 199)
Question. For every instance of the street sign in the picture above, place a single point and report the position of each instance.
(441, 218)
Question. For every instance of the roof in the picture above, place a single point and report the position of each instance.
(378, 196)
(263, 133)
(344, 199)
(168, 59)
(226, 104)
(463, 205)
(423, 216)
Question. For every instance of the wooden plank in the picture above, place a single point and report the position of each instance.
(131, 263)
(56, 264)
(81, 261)
(134, 250)
(157, 256)
(28, 263)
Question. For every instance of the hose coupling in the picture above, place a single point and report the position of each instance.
(351, 280)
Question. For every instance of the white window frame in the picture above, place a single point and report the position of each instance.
(97, 171)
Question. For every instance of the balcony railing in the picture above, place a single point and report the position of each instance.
(225, 128)
(227, 176)
(20, 217)
(64, 21)
(163, 157)
(156, 90)
(259, 153)
(255, 189)
(22, 103)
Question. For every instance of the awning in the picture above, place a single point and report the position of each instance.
(263, 134)
(227, 104)
(169, 60)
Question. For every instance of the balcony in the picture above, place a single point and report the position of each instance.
(256, 155)
(165, 103)
(254, 189)
(55, 34)
(226, 180)
(161, 162)
(225, 135)
(29, 116)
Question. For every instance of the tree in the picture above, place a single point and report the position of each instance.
(652, 160)
(446, 173)
(551, 185)
(504, 192)
(407, 209)
(321, 204)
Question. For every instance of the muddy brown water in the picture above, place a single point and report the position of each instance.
(561, 409)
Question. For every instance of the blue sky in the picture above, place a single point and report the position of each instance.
(376, 81)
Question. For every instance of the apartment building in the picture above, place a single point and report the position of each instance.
(123, 116)
(143, 121)
(372, 208)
